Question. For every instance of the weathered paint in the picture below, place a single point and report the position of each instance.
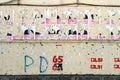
(61, 23)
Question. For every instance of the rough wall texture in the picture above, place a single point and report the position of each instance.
(77, 58)
(60, 58)
(60, 77)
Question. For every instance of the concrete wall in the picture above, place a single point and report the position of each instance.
(86, 57)
(76, 58)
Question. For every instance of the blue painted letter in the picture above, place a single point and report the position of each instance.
(41, 60)
(25, 62)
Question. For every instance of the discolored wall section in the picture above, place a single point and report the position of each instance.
(61, 23)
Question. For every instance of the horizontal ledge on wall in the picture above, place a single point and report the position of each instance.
(60, 41)
(66, 4)
(50, 5)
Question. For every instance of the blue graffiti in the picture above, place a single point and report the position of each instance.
(25, 62)
(41, 60)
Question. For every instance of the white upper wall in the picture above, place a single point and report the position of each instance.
(105, 2)
(2, 1)
(47, 1)
(113, 2)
